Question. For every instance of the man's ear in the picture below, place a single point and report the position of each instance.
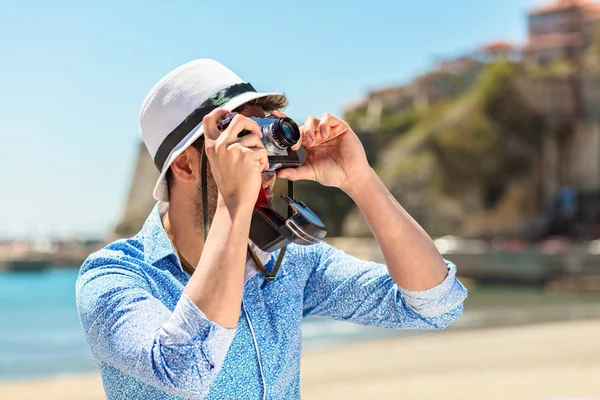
(186, 167)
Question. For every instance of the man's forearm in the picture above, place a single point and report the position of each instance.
(411, 257)
(217, 284)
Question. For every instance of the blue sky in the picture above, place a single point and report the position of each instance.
(73, 75)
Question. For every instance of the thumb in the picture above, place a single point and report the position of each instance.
(304, 172)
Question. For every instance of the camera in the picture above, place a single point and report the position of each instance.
(269, 230)
(279, 135)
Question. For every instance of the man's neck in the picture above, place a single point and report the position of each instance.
(187, 238)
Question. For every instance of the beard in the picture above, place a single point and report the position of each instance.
(213, 194)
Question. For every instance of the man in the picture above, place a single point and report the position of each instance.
(168, 315)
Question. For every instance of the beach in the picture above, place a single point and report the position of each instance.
(545, 361)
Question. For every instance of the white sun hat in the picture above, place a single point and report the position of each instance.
(171, 116)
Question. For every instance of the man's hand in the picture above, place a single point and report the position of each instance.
(236, 162)
(334, 154)
(217, 284)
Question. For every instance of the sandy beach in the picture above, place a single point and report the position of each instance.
(548, 361)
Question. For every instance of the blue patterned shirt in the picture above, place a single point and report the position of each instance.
(151, 342)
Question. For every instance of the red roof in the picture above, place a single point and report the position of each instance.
(497, 46)
(559, 5)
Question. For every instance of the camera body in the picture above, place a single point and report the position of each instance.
(279, 135)
(269, 230)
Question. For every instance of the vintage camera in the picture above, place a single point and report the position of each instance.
(279, 135)
(269, 230)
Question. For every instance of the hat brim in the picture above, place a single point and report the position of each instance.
(161, 193)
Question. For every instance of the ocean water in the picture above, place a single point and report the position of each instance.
(40, 333)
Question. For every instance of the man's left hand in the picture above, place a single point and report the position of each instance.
(334, 154)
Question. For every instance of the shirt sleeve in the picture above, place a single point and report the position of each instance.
(346, 288)
(180, 351)
(439, 299)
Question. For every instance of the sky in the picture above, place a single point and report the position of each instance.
(73, 75)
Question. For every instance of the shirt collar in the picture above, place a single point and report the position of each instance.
(156, 243)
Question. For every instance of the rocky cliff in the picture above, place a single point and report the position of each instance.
(474, 149)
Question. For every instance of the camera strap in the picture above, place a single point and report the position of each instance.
(204, 193)
(205, 217)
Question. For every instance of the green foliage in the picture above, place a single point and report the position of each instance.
(496, 79)
(592, 55)
(397, 123)
(559, 68)
(408, 166)
(595, 47)
(472, 139)
(392, 126)
(472, 135)
(353, 117)
(503, 104)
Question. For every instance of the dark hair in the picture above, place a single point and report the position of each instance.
(267, 103)
(198, 144)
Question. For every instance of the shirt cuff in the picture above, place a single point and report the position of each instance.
(438, 300)
(189, 326)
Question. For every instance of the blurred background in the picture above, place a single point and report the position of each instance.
(481, 117)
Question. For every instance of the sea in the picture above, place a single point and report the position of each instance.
(41, 336)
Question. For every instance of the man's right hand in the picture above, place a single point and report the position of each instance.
(236, 162)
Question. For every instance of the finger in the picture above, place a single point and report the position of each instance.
(300, 141)
(324, 129)
(328, 125)
(251, 141)
(297, 145)
(258, 155)
(318, 136)
(209, 123)
(331, 120)
(303, 172)
(310, 130)
(262, 156)
(239, 124)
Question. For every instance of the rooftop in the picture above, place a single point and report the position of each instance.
(560, 5)
(497, 46)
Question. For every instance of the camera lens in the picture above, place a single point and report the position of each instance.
(286, 132)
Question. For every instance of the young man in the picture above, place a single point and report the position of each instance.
(168, 315)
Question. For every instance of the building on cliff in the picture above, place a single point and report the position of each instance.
(565, 31)
(554, 79)
(561, 30)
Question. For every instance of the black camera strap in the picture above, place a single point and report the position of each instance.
(205, 216)
(268, 276)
